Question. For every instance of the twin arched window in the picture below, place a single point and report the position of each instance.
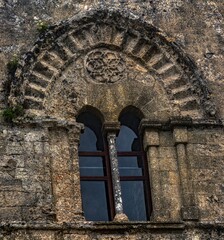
(96, 172)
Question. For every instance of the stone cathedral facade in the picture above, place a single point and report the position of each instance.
(111, 120)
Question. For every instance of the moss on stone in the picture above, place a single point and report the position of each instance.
(11, 113)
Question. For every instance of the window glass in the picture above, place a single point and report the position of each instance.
(91, 166)
(93, 162)
(91, 139)
(130, 166)
(134, 200)
(94, 200)
(96, 174)
(127, 140)
(88, 141)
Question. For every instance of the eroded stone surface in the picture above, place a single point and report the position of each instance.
(61, 71)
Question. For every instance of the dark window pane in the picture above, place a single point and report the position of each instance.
(127, 140)
(134, 200)
(94, 200)
(130, 120)
(91, 139)
(130, 166)
(88, 141)
(91, 166)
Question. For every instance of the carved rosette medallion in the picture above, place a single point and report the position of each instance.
(105, 66)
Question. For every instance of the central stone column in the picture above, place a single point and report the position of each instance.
(111, 130)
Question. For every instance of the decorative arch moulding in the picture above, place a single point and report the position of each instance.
(106, 37)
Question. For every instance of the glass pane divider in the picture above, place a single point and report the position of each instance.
(93, 178)
(92, 154)
(120, 154)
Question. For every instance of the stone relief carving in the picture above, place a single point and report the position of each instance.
(105, 66)
(40, 68)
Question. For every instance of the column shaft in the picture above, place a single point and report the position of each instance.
(119, 214)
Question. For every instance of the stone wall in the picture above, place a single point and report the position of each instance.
(25, 175)
(182, 126)
(205, 152)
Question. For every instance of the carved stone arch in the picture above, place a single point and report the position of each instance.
(132, 109)
(105, 48)
(95, 111)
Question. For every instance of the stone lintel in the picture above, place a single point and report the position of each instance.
(180, 121)
(180, 135)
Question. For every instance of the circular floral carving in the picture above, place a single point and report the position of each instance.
(105, 66)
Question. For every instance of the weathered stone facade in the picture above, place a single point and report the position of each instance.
(163, 58)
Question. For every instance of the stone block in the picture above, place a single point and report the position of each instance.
(153, 154)
(2, 148)
(180, 135)
(190, 213)
(208, 150)
(151, 138)
(32, 213)
(166, 139)
(38, 147)
(42, 235)
(10, 214)
(74, 236)
(174, 178)
(203, 187)
(167, 152)
(16, 198)
(63, 183)
(34, 136)
(205, 174)
(197, 136)
(205, 136)
(46, 148)
(14, 148)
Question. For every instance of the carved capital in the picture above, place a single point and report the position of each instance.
(151, 138)
(111, 127)
(180, 135)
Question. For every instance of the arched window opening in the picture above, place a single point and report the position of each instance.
(101, 178)
(96, 187)
(133, 172)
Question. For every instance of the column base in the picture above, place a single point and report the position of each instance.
(120, 217)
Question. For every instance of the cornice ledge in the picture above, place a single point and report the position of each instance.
(48, 122)
(180, 122)
(111, 226)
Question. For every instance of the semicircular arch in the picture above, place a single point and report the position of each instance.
(107, 41)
